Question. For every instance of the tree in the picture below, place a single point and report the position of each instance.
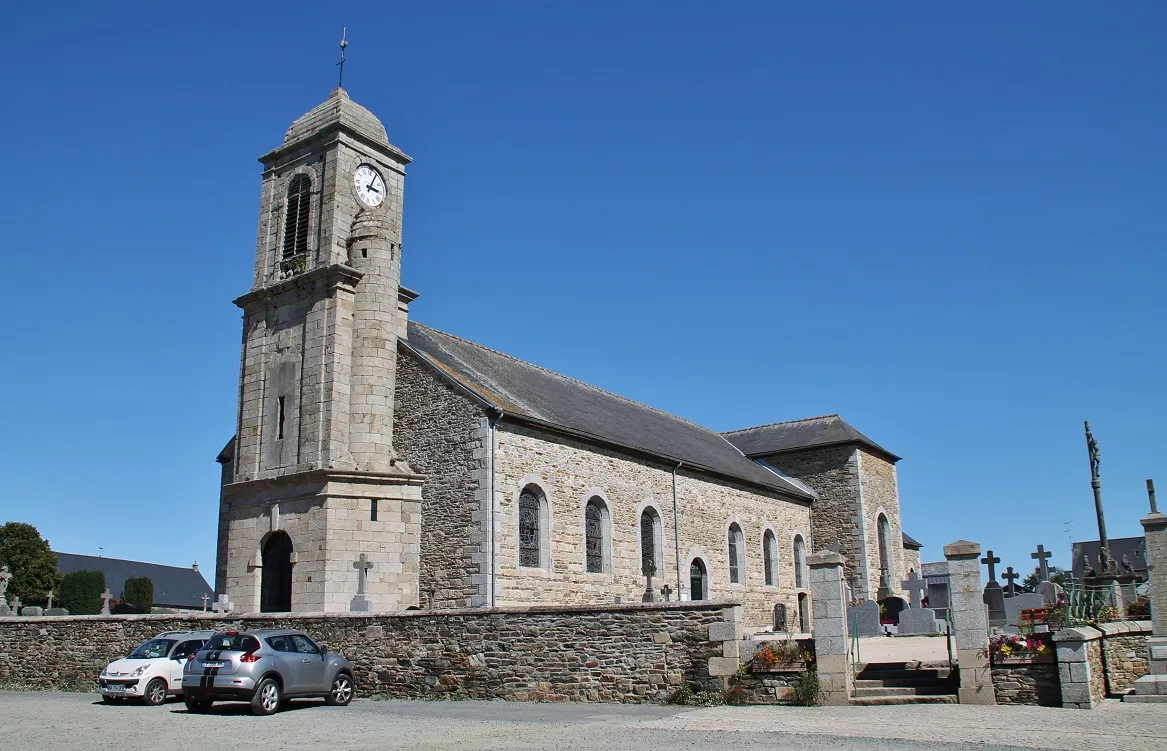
(30, 561)
(81, 592)
(139, 590)
(1056, 575)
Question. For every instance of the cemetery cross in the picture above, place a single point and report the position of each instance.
(1041, 556)
(991, 561)
(915, 588)
(362, 566)
(1010, 576)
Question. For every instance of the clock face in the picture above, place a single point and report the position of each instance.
(370, 185)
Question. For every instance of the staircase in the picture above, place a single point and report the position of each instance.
(905, 683)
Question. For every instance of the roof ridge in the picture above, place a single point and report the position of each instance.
(585, 384)
(128, 560)
(784, 422)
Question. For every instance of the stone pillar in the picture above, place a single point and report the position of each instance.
(829, 600)
(1080, 669)
(1153, 686)
(729, 634)
(970, 627)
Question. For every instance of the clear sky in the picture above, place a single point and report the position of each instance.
(945, 224)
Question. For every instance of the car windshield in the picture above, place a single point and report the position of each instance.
(232, 643)
(153, 649)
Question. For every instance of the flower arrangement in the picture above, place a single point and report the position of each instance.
(783, 654)
(1140, 608)
(1006, 646)
(1107, 614)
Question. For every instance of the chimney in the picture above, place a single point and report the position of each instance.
(195, 565)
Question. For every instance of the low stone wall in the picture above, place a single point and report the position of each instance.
(765, 687)
(615, 653)
(1124, 652)
(1033, 683)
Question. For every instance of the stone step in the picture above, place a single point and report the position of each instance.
(944, 684)
(891, 700)
(871, 692)
(902, 675)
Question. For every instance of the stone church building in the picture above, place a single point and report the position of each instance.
(379, 464)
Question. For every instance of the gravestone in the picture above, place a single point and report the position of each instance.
(5, 577)
(1011, 576)
(106, 596)
(361, 603)
(5, 611)
(915, 587)
(32, 610)
(1041, 556)
(892, 607)
(223, 605)
(993, 597)
(1050, 593)
(14, 606)
(1014, 606)
(918, 621)
(55, 612)
(864, 618)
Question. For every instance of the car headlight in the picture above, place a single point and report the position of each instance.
(140, 670)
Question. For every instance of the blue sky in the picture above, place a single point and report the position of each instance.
(945, 224)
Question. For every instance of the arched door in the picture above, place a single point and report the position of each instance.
(275, 589)
(698, 580)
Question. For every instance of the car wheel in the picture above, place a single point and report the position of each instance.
(341, 692)
(155, 692)
(197, 706)
(267, 697)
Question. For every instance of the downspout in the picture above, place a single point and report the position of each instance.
(676, 532)
(490, 510)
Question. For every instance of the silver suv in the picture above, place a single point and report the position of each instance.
(265, 667)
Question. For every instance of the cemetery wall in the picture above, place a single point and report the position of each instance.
(1034, 683)
(1124, 651)
(570, 472)
(619, 653)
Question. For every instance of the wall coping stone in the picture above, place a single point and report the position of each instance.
(961, 549)
(501, 610)
(1126, 627)
(825, 558)
(1078, 633)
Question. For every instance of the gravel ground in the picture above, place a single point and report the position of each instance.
(47, 722)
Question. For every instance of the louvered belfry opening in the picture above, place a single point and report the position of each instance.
(296, 217)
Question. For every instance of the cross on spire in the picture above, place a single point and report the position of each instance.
(1010, 576)
(343, 45)
(1041, 556)
(991, 561)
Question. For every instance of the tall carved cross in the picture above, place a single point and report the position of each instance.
(649, 569)
(1041, 556)
(206, 598)
(362, 565)
(666, 591)
(50, 605)
(915, 587)
(991, 561)
(106, 596)
(1010, 576)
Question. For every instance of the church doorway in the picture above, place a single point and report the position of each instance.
(698, 580)
(275, 587)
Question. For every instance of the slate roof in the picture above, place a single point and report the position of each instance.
(909, 542)
(174, 587)
(529, 393)
(795, 435)
(1134, 548)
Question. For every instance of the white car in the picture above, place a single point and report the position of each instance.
(153, 671)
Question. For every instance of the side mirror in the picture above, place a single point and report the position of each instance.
(323, 649)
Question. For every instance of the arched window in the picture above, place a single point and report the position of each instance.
(799, 562)
(531, 528)
(770, 557)
(596, 536)
(884, 532)
(651, 549)
(296, 216)
(698, 580)
(737, 562)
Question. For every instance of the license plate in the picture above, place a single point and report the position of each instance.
(116, 688)
(211, 665)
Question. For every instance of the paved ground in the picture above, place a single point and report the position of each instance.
(52, 722)
(903, 648)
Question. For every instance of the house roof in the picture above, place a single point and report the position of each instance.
(909, 542)
(529, 393)
(174, 587)
(796, 435)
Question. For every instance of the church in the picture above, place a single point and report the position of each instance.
(381, 465)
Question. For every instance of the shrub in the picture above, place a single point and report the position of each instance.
(139, 590)
(806, 688)
(81, 592)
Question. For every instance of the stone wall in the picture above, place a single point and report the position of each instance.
(833, 473)
(442, 434)
(619, 653)
(569, 472)
(1124, 650)
(1034, 683)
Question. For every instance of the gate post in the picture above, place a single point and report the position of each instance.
(969, 625)
(829, 601)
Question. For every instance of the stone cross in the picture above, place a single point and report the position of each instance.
(50, 605)
(362, 565)
(6, 577)
(106, 596)
(206, 597)
(666, 591)
(223, 605)
(991, 561)
(915, 587)
(1041, 556)
(15, 604)
(1150, 497)
(1010, 576)
(649, 569)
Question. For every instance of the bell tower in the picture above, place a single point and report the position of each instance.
(314, 466)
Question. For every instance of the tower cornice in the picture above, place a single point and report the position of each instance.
(334, 275)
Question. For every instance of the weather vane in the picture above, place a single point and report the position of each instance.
(343, 44)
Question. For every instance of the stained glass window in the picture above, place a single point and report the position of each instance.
(735, 553)
(529, 513)
(770, 556)
(648, 521)
(799, 555)
(594, 536)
